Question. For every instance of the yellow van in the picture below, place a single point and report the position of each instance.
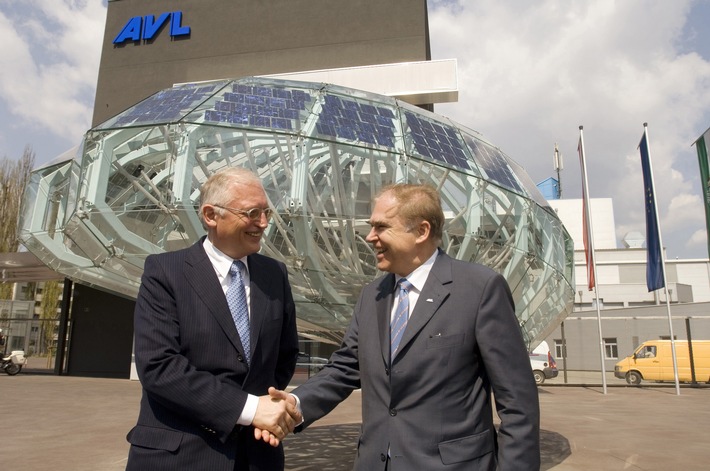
(653, 361)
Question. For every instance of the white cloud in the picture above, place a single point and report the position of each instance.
(531, 72)
(699, 239)
(682, 210)
(50, 54)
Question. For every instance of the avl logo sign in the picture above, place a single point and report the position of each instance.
(146, 27)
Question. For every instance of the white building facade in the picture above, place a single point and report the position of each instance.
(630, 314)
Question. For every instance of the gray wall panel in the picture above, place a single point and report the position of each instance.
(235, 38)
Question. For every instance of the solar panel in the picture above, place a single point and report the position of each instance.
(345, 118)
(493, 163)
(436, 141)
(166, 105)
(346, 131)
(351, 105)
(386, 112)
(300, 95)
(276, 108)
(368, 109)
(385, 141)
(369, 118)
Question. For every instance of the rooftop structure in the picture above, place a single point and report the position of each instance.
(322, 152)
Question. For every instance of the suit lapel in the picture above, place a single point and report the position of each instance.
(383, 307)
(433, 295)
(259, 283)
(201, 277)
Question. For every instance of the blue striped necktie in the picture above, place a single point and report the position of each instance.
(237, 301)
(401, 315)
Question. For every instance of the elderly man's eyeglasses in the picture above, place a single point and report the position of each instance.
(254, 213)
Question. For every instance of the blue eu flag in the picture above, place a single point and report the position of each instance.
(654, 271)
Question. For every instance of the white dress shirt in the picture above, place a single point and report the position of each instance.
(222, 263)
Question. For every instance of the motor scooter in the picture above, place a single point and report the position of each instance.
(13, 363)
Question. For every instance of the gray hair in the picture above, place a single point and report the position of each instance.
(219, 187)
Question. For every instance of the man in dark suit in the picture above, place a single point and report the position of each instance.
(211, 335)
(427, 362)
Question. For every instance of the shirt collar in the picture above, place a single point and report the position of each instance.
(220, 261)
(420, 274)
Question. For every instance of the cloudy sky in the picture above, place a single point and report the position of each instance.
(530, 73)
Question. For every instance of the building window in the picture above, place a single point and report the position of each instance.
(611, 349)
(560, 349)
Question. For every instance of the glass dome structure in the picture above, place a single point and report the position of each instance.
(322, 152)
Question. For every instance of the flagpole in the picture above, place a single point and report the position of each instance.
(663, 265)
(557, 158)
(590, 240)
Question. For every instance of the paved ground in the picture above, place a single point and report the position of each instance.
(75, 424)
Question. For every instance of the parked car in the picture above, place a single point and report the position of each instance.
(543, 367)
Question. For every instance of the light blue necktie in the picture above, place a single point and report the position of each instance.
(237, 301)
(401, 315)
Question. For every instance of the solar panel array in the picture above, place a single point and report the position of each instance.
(354, 121)
(166, 105)
(264, 107)
(493, 163)
(340, 118)
(437, 141)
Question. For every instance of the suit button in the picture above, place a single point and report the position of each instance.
(393, 412)
(383, 457)
(387, 371)
(240, 358)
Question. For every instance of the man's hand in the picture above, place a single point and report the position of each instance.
(280, 395)
(276, 416)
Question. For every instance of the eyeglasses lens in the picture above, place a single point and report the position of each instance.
(255, 213)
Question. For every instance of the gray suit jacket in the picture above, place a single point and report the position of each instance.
(432, 408)
(191, 366)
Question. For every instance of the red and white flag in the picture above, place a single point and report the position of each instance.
(586, 224)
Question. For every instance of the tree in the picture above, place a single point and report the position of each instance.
(14, 177)
(49, 316)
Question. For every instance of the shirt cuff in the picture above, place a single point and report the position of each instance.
(249, 411)
(298, 408)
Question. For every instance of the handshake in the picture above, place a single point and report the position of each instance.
(276, 416)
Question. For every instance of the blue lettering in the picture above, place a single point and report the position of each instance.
(147, 27)
(151, 25)
(132, 31)
(176, 28)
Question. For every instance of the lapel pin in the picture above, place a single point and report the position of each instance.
(429, 300)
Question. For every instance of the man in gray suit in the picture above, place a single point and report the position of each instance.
(215, 326)
(428, 361)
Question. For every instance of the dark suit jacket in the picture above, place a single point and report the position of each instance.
(191, 366)
(432, 408)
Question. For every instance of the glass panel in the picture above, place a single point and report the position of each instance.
(323, 153)
(492, 163)
(166, 106)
